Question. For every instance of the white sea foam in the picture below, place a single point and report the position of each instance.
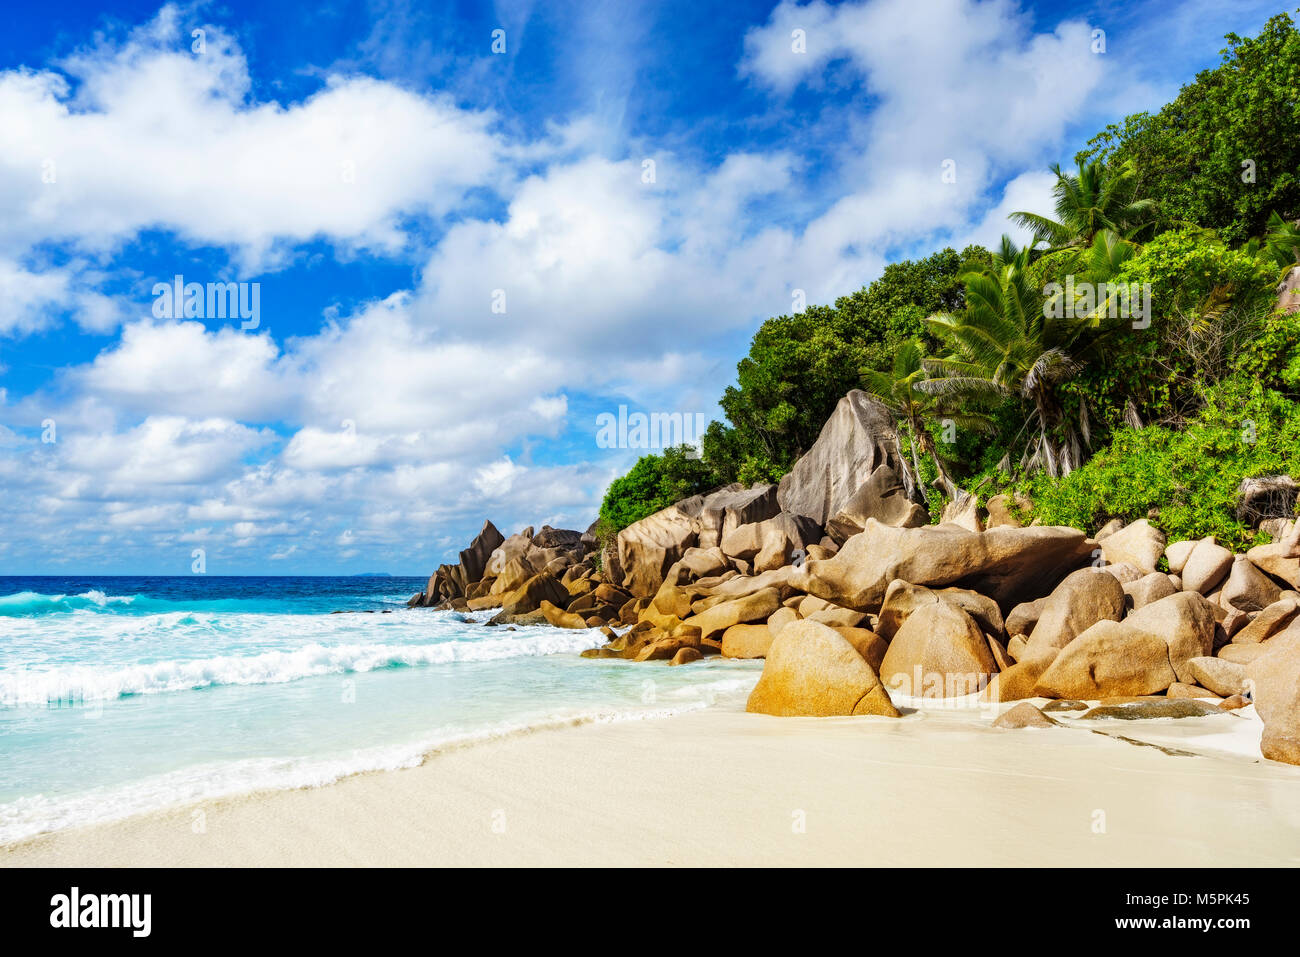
(76, 682)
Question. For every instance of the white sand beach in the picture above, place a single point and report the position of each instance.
(722, 787)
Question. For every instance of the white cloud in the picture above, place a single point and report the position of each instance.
(146, 134)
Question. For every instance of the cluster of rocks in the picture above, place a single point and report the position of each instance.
(534, 577)
(857, 603)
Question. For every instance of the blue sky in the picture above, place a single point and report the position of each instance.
(385, 178)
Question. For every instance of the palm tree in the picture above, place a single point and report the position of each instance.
(1094, 199)
(1006, 343)
(899, 390)
(1282, 244)
(1098, 264)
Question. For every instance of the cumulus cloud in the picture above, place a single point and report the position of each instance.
(147, 133)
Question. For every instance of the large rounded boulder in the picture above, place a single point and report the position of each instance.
(939, 652)
(811, 670)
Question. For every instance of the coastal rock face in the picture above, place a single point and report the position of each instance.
(704, 562)
(1268, 622)
(1007, 564)
(1177, 553)
(746, 641)
(938, 652)
(646, 549)
(529, 596)
(881, 497)
(516, 546)
(1247, 588)
(1275, 681)
(769, 544)
(902, 598)
(1138, 545)
(857, 439)
(964, 512)
(1222, 677)
(513, 574)
(1281, 558)
(566, 538)
(1184, 622)
(811, 670)
(727, 509)
(1024, 715)
(868, 644)
(1086, 597)
(1149, 588)
(1024, 617)
(1106, 661)
(1002, 511)
(756, 607)
(1207, 565)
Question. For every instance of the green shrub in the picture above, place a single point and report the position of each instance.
(655, 482)
(1208, 303)
(1273, 357)
(1188, 479)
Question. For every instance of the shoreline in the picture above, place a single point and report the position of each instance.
(722, 787)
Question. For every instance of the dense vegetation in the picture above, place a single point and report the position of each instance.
(1045, 369)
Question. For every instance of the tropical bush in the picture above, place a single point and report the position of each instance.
(1225, 154)
(1185, 479)
(654, 482)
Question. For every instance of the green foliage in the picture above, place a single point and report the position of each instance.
(892, 310)
(900, 391)
(1094, 199)
(1273, 357)
(800, 366)
(1188, 478)
(1193, 272)
(1005, 343)
(1190, 154)
(653, 483)
(1208, 302)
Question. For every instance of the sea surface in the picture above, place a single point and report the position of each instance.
(120, 695)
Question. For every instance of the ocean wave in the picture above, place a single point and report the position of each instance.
(25, 604)
(30, 604)
(79, 683)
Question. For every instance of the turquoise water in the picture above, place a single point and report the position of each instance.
(122, 694)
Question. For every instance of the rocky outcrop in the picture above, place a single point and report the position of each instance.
(474, 560)
(729, 508)
(1138, 545)
(881, 497)
(1184, 622)
(1207, 565)
(939, 652)
(826, 482)
(770, 543)
(648, 548)
(1085, 597)
(1274, 679)
(1024, 715)
(1108, 660)
(746, 641)
(1009, 565)
(812, 670)
(830, 579)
